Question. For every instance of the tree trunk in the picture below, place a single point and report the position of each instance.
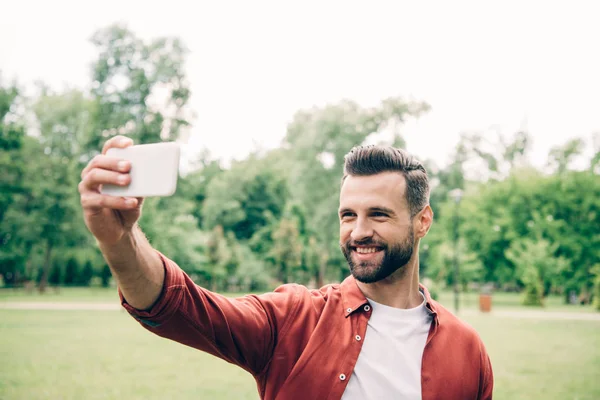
(46, 268)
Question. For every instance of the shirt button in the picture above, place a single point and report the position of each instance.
(342, 377)
(348, 309)
(367, 308)
(357, 337)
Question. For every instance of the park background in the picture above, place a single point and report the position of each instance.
(500, 103)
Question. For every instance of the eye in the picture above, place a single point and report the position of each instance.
(379, 214)
(347, 214)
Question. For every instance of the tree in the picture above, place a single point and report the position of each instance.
(596, 272)
(217, 257)
(66, 121)
(245, 198)
(194, 185)
(71, 272)
(13, 193)
(441, 266)
(62, 118)
(139, 86)
(561, 157)
(87, 274)
(537, 267)
(531, 206)
(287, 249)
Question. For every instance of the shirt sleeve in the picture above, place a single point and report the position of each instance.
(242, 331)
(487, 377)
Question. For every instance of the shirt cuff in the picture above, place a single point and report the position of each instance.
(168, 301)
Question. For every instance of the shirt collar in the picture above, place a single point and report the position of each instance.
(353, 298)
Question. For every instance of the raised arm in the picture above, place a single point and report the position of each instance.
(135, 265)
(164, 299)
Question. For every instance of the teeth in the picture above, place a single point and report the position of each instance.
(363, 250)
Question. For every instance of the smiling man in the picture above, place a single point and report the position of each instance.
(377, 335)
(384, 212)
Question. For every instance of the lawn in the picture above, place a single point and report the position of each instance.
(66, 294)
(107, 355)
(63, 294)
(504, 301)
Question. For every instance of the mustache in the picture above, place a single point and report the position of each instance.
(364, 242)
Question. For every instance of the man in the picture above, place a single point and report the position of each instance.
(377, 335)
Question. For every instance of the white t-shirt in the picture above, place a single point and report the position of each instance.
(389, 363)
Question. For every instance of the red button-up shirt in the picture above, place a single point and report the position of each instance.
(303, 344)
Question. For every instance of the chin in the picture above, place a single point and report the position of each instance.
(374, 274)
(366, 274)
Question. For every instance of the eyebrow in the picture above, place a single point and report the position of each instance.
(371, 209)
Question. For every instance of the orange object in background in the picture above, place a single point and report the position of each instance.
(485, 302)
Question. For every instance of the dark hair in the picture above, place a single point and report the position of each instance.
(372, 160)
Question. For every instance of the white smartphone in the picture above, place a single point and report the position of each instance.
(154, 170)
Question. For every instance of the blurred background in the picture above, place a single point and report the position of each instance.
(500, 101)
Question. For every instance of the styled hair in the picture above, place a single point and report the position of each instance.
(372, 160)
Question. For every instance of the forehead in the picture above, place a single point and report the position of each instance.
(386, 189)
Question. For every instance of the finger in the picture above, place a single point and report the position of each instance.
(94, 201)
(106, 162)
(118, 141)
(98, 176)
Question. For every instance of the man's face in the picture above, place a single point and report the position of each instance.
(376, 232)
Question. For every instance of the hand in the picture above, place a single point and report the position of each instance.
(108, 218)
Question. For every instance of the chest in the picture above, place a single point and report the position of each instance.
(389, 363)
(319, 360)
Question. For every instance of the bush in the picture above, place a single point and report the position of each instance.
(534, 289)
(105, 275)
(55, 276)
(86, 275)
(71, 272)
(596, 289)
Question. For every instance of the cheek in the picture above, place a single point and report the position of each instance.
(392, 233)
(345, 231)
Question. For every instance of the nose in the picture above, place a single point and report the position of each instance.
(361, 230)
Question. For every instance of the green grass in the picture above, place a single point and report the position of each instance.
(107, 355)
(66, 294)
(509, 301)
(542, 359)
(504, 301)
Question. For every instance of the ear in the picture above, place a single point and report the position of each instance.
(423, 221)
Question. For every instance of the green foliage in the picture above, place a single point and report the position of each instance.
(105, 276)
(86, 275)
(287, 249)
(596, 282)
(71, 272)
(217, 257)
(535, 263)
(272, 217)
(533, 294)
(560, 157)
(551, 210)
(13, 250)
(139, 87)
(441, 264)
(245, 198)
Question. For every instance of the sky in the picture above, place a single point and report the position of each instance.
(482, 67)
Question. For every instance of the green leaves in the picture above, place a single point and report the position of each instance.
(139, 86)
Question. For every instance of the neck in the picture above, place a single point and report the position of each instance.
(399, 290)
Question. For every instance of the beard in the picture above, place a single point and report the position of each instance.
(395, 256)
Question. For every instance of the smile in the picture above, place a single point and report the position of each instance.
(366, 250)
